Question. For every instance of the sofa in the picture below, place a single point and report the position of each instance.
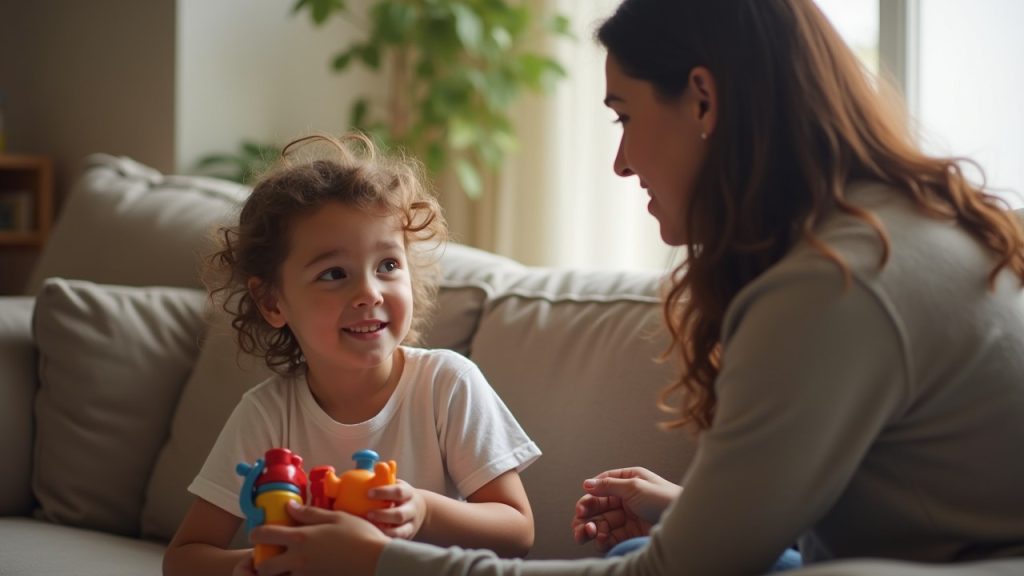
(116, 374)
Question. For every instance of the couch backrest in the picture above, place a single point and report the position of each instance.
(573, 355)
(126, 223)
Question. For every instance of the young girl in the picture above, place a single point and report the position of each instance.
(850, 319)
(328, 277)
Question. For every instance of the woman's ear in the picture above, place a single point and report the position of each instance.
(702, 84)
(266, 302)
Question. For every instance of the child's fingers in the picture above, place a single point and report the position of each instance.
(403, 531)
(399, 492)
(395, 515)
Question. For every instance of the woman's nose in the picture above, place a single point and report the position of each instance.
(620, 166)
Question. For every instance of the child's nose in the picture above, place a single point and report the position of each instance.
(369, 294)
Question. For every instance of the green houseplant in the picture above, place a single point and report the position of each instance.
(452, 69)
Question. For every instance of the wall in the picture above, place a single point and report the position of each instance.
(84, 77)
(253, 70)
(164, 82)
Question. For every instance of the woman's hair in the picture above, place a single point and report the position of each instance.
(798, 119)
(304, 179)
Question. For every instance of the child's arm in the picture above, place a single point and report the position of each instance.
(200, 546)
(497, 516)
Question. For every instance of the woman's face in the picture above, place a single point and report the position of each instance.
(662, 143)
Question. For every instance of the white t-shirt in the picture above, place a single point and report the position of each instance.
(444, 425)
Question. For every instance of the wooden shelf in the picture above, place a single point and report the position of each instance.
(21, 172)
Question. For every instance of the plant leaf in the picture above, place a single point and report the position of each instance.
(320, 10)
(469, 178)
(561, 26)
(370, 55)
(342, 60)
(468, 26)
(360, 108)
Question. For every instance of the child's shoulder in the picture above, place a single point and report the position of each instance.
(437, 362)
(272, 389)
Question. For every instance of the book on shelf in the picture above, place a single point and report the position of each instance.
(17, 211)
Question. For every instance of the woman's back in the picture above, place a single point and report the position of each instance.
(925, 412)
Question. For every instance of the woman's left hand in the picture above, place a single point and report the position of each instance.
(325, 543)
(406, 517)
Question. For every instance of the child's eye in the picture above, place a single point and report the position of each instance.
(389, 265)
(333, 274)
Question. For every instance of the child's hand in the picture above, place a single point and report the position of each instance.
(244, 567)
(406, 517)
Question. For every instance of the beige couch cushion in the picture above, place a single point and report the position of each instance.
(33, 548)
(469, 278)
(217, 382)
(566, 352)
(125, 223)
(112, 361)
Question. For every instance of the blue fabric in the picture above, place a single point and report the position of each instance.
(789, 560)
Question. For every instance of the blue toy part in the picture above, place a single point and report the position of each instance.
(365, 459)
(254, 515)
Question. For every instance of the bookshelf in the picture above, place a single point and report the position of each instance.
(26, 200)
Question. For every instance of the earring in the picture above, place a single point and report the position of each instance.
(703, 135)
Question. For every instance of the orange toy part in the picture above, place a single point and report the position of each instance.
(349, 491)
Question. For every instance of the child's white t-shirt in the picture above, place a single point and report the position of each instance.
(444, 425)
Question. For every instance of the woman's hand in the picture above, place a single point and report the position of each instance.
(621, 504)
(244, 567)
(406, 517)
(325, 543)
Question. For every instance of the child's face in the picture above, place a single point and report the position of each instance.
(345, 288)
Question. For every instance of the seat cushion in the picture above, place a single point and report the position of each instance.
(32, 547)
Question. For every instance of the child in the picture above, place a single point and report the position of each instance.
(327, 277)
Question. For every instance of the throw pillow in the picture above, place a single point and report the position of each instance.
(220, 377)
(112, 360)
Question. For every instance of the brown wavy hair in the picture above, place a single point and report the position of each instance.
(798, 119)
(311, 172)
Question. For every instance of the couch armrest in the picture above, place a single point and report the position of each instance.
(18, 384)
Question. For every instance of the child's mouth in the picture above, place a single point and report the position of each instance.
(366, 328)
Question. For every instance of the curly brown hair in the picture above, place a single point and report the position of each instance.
(799, 119)
(303, 179)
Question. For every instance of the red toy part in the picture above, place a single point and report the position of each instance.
(318, 487)
(282, 465)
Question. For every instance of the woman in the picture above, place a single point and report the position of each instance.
(850, 319)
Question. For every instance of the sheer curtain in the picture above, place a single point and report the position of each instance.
(558, 202)
(971, 90)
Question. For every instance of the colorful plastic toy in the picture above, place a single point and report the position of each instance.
(349, 491)
(268, 487)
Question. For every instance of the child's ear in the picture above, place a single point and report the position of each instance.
(266, 302)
